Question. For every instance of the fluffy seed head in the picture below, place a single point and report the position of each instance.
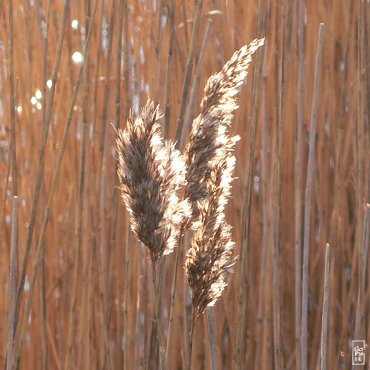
(151, 172)
(210, 162)
(210, 258)
(209, 140)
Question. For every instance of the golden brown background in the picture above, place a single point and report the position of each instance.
(93, 295)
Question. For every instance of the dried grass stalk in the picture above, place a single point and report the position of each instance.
(151, 172)
(208, 138)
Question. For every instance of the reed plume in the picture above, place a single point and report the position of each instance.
(208, 137)
(151, 172)
(210, 164)
(210, 257)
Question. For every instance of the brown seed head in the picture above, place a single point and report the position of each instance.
(210, 163)
(209, 140)
(151, 172)
(210, 257)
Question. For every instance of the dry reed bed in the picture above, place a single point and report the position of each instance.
(93, 299)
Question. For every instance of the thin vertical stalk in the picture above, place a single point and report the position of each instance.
(3, 210)
(360, 142)
(191, 337)
(13, 161)
(154, 358)
(103, 173)
(362, 261)
(126, 45)
(71, 329)
(219, 40)
(158, 41)
(43, 273)
(185, 19)
(365, 247)
(195, 87)
(126, 331)
(115, 199)
(367, 58)
(212, 338)
(360, 173)
(241, 329)
(189, 68)
(172, 304)
(13, 145)
(242, 300)
(139, 328)
(280, 96)
(298, 180)
(307, 209)
(83, 203)
(40, 173)
(98, 220)
(97, 68)
(185, 311)
(265, 189)
(167, 114)
(325, 311)
(50, 201)
(118, 103)
(108, 267)
(12, 285)
(128, 99)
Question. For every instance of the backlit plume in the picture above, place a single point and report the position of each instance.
(151, 172)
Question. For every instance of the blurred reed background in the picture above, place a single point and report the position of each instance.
(75, 288)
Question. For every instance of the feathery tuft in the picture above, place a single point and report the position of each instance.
(208, 138)
(210, 163)
(151, 173)
(210, 257)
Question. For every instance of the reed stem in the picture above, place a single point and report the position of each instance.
(325, 311)
(12, 285)
(154, 358)
(189, 68)
(172, 304)
(307, 210)
(191, 335)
